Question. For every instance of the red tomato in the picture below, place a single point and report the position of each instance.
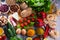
(22, 25)
(25, 23)
(1, 38)
(33, 19)
(32, 15)
(20, 21)
(4, 37)
(36, 38)
(28, 21)
(25, 19)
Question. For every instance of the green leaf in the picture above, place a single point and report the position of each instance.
(35, 16)
(25, 27)
(41, 1)
(32, 23)
(38, 4)
(18, 26)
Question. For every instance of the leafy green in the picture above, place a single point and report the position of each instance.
(39, 5)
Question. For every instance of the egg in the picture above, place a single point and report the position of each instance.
(23, 31)
(18, 31)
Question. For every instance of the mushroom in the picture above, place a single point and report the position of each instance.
(3, 20)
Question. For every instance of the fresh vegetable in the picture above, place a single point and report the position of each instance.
(15, 38)
(20, 1)
(28, 21)
(4, 37)
(22, 25)
(31, 23)
(1, 38)
(46, 31)
(20, 21)
(11, 28)
(36, 38)
(42, 15)
(39, 5)
(25, 19)
(25, 23)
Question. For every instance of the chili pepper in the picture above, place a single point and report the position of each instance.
(46, 31)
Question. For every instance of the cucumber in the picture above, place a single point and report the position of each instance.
(12, 28)
(6, 32)
(10, 32)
